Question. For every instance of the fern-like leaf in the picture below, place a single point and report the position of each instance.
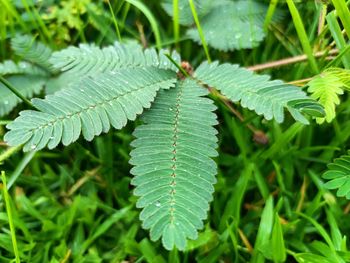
(89, 59)
(342, 74)
(27, 85)
(174, 174)
(185, 14)
(338, 175)
(26, 77)
(326, 88)
(8, 67)
(33, 51)
(233, 25)
(89, 107)
(257, 92)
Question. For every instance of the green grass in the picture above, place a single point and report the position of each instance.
(75, 204)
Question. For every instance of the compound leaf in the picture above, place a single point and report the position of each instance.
(173, 169)
(338, 175)
(89, 59)
(327, 87)
(32, 51)
(27, 85)
(26, 77)
(233, 25)
(185, 14)
(89, 107)
(257, 92)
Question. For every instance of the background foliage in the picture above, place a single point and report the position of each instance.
(271, 201)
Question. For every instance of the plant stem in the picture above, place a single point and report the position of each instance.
(291, 60)
(300, 82)
(298, 23)
(199, 28)
(176, 20)
(114, 21)
(10, 218)
(15, 91)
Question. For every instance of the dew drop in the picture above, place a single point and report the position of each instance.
(33, 147)
(170, 109)
(6, 102)
(51, 138)
(158, 204)
(82, 90)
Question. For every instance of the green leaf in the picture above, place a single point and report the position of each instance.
(185, 14)
(277, 241)
(257, 92)
(226, 25)
(27, 85)
(174, 174)
(8, 67)
(27, 78)
(89, 107)
(33, 51)
(338, 174)
(264, 231)
(233, 25)
(88, 60)
(326, 88)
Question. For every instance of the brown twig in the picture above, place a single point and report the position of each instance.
(245, 241)
(291, 60)
(82, 181)
(300, 82)
(142, 34)
(302, 194)
(3, 144)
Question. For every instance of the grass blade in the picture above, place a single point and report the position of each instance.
(269, 14)
(298, 23)
(10, 218)
(338, 36)
(199, 28)
(152, 20)
(176, 21)
(344, 14)
(114, 21)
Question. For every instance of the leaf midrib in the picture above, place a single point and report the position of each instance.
(90, 107)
